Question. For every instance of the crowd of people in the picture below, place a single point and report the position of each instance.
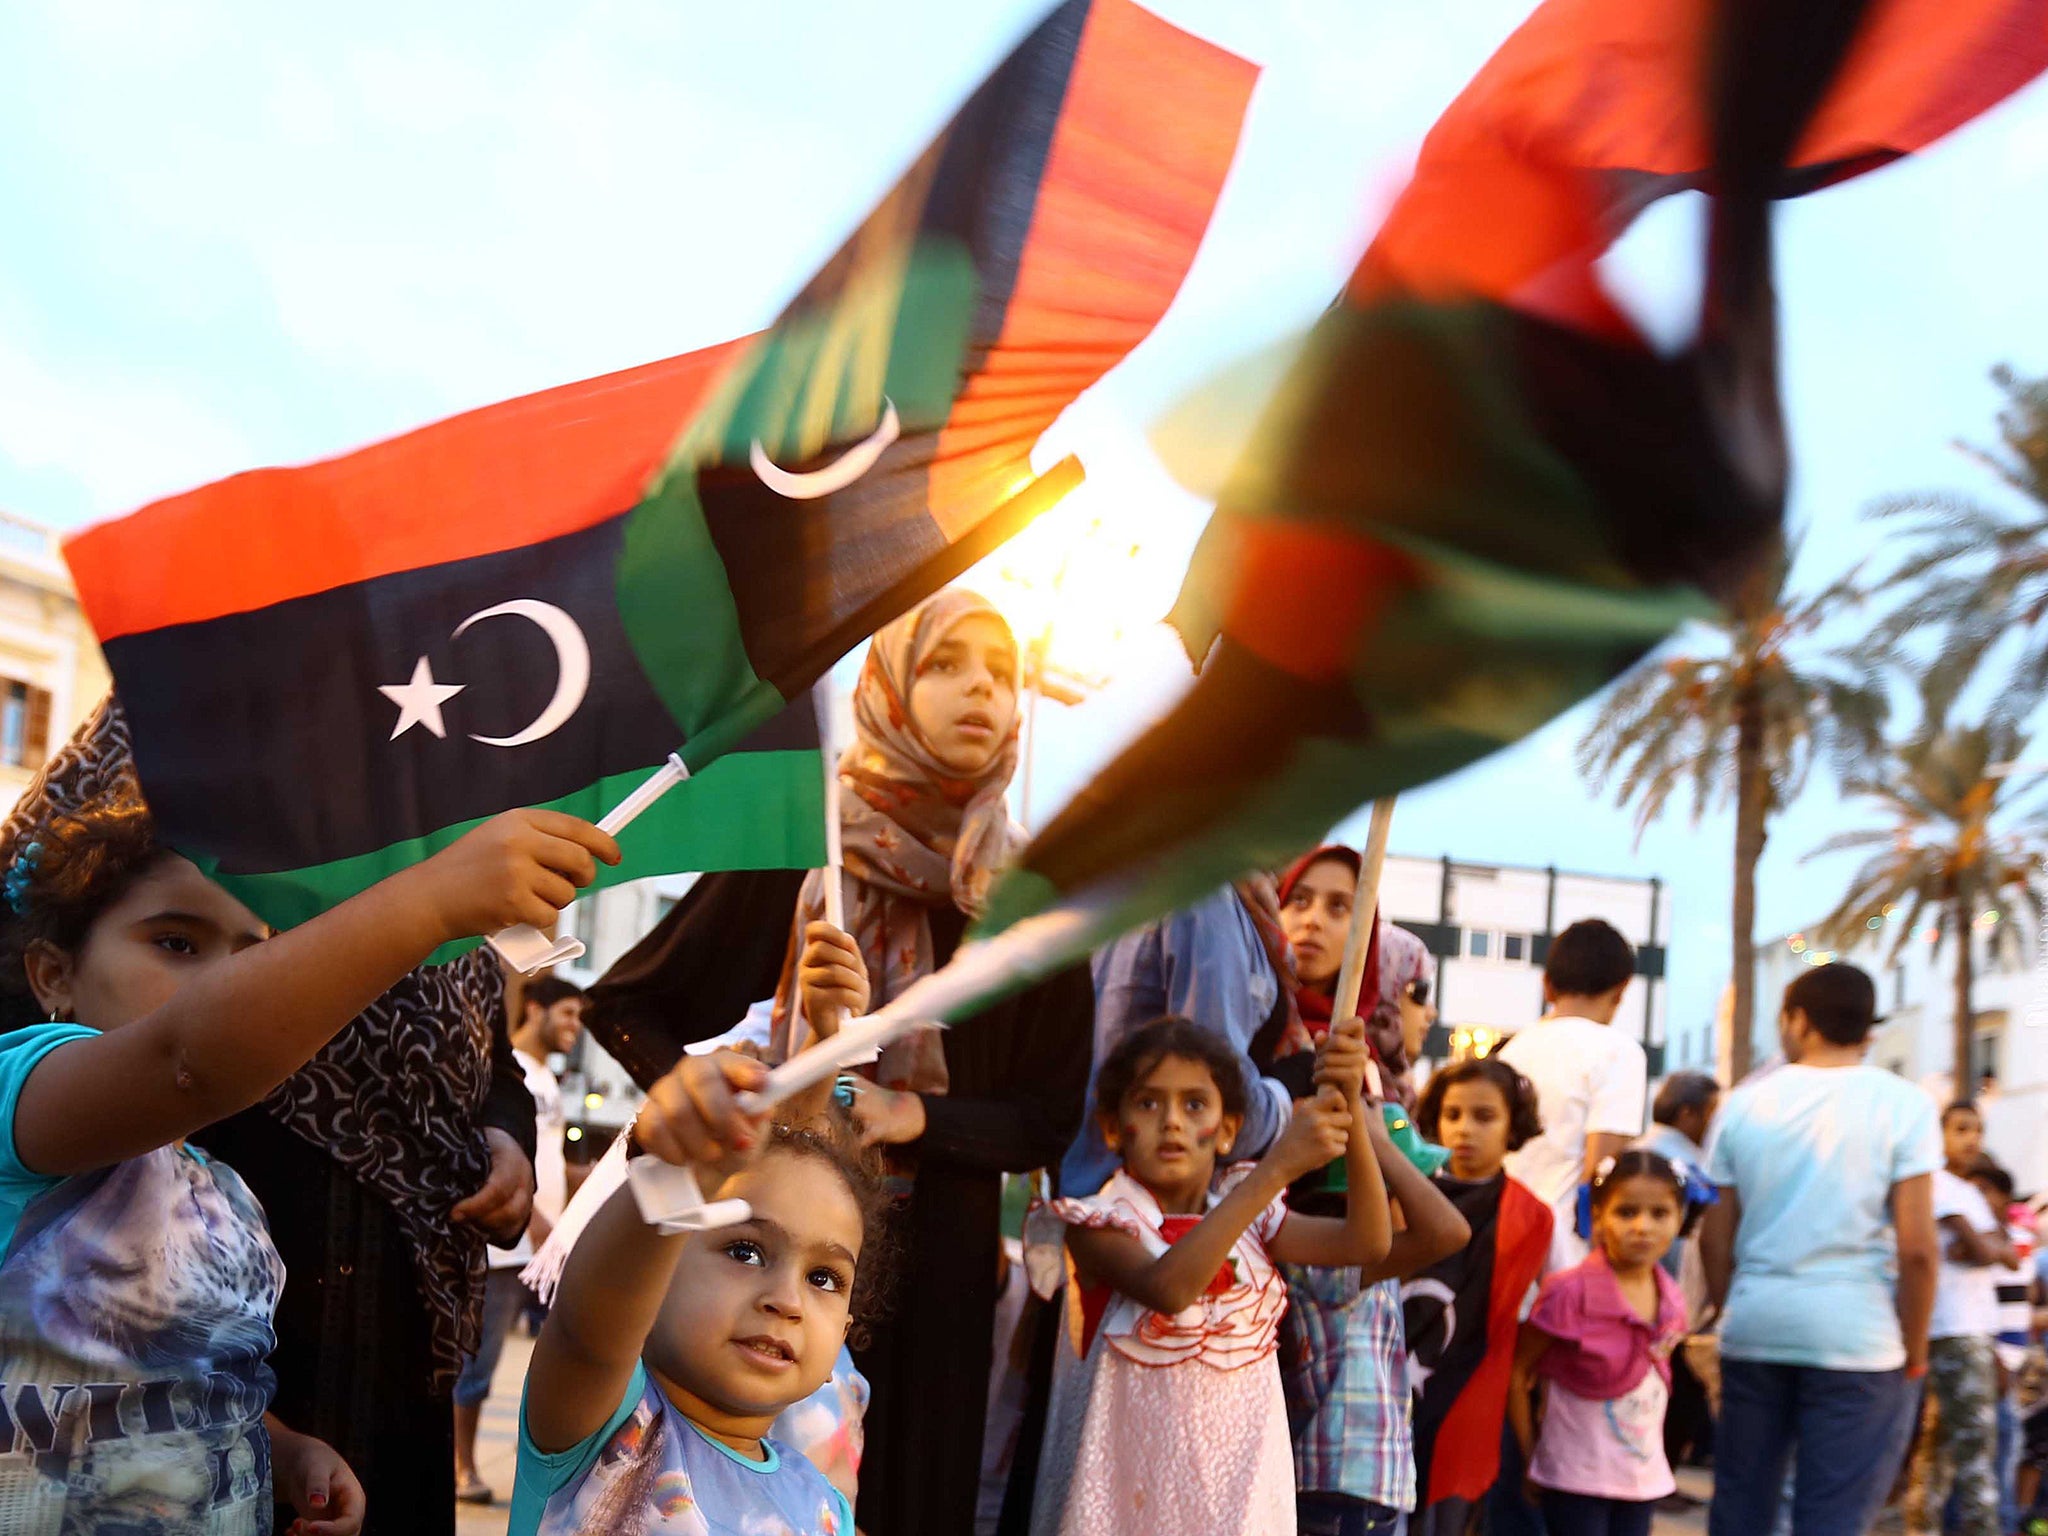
(267, 1199)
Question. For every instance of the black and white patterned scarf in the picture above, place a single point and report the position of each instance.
(394, 1098)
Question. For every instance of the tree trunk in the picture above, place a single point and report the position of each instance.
(1752, 806)
(1965, 1019)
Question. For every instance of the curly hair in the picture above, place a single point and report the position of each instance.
(1149, 1044)
(1524, 1124)
(60, 876)
(832, 1138)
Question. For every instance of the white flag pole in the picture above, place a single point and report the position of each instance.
(835, 893)
(1365, 908)
(524, 947)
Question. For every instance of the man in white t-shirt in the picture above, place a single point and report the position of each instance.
(1962, 1368)
(1590, 1078)
(550, 1020)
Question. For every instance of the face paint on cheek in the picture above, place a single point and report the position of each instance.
(1206, 1139)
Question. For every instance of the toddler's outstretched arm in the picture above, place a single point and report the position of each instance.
(240, 1027)
(619, 1271)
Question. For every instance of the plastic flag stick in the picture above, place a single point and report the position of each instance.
(525, 948)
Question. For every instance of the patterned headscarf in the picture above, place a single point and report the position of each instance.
(394, 1098)
(1404, 960)
(915, 835)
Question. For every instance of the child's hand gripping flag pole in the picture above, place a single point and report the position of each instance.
(669, 1195)
(526, 949)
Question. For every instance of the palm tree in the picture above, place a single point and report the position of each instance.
(1958, 847)
(1978, 574)
(1743, 717)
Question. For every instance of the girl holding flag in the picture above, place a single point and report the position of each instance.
(925, 827)
(139, 1277)
(1344, 1352)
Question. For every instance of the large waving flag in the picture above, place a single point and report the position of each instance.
(1480, 494)
(331, 671)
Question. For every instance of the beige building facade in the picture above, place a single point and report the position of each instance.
(51, 670)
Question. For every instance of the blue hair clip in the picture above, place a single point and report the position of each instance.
(19, 876)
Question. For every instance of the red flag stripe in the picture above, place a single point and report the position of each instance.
(1123, 202)
(498, 478)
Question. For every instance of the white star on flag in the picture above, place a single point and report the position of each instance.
(419, 701)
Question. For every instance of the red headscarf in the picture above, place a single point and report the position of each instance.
(1394, 961)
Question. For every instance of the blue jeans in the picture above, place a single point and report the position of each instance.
(1334, 1514)
(1848, 1429)
(1579, 1514)
(502, 1296)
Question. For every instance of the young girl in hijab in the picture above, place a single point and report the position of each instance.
(925, 827)
(1316, 897)
(1343, 1347)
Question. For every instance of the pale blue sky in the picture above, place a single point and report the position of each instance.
(240, 233)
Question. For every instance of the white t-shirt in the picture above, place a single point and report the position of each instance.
(1966, 1295)
(550, 1164)
(1590, 1079)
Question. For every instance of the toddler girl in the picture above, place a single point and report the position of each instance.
(665, 1359)
(1168, 1415)
(1461, 1313)
(1600, 1339)
(139, 1280)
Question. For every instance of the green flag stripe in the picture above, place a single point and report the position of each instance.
(753, 810)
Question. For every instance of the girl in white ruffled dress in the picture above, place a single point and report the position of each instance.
(1167, 1414)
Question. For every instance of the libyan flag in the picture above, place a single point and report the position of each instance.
(1460, 1317)
(1479, 493)
(332, 671)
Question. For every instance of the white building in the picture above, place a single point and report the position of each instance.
(1489, 925)
(1916, 1001)
(51, 671)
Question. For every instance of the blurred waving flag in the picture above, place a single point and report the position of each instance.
(333, 670)
(1479, 494)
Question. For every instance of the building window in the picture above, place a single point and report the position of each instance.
(583, 922)
(24, 724)
(1514, 946)
(1478, 943)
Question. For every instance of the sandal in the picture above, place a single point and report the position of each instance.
(474, 1490)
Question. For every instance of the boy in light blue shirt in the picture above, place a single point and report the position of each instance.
(1823, 1252)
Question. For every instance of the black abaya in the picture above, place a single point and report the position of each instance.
(1017, 1074)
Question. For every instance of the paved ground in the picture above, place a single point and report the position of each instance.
(497, 1443)
(496, 1448)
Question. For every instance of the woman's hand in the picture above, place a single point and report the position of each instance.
(831, 978)
(1341, 1059)
(885, 1116)
(1316, 1135)
(501, 1209)
(693, 1118)
(308, 1475)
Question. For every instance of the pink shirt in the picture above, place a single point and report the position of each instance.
(1602, 1347)
(1610, 1376)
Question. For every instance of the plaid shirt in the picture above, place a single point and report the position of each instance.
(1344, 1361)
